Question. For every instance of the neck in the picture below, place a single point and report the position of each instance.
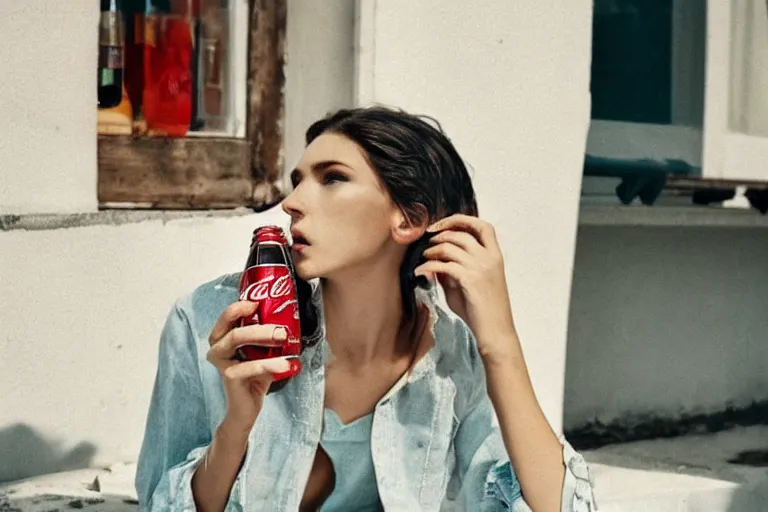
(363, 316)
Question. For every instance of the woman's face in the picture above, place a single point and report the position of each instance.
(341, 213)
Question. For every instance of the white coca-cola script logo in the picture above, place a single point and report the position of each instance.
(285, 305)
(281, 287)
(261, 290)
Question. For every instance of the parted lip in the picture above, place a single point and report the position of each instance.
(298, 237)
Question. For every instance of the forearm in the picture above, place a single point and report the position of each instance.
(215, 476)
(533, 448)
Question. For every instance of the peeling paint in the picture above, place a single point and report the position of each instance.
(43, 222)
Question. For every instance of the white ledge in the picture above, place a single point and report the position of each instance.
(47, 221)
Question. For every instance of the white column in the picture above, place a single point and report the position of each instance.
(509, 82)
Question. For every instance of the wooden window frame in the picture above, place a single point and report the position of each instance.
(727, 159)
(729, 153)
(210, 172)
(682, 138)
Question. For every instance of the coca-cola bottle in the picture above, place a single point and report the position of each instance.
(269, 280)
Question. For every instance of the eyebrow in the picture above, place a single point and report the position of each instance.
(321, 166)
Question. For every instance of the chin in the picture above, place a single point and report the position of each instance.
(305, 270)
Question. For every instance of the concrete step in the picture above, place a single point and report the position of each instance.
(684, 474)
(72, 490)
(620, 489)
(97, 490)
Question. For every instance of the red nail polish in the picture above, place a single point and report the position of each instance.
(294, 368)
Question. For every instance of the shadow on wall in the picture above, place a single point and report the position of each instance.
(25, 453)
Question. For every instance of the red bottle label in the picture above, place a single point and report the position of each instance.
(270, 284)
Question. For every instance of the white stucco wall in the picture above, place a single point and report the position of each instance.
(82, 312)
(509, 83)
(83, 307)
(319, 67)
(48, 52)
(665, 321)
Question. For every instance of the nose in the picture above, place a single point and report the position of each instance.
(292, 204)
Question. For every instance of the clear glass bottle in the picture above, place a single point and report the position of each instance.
(111, 40)
(213, 97)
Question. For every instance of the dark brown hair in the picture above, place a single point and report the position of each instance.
(418, 164)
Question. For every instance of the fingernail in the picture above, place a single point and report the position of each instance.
(294, 366)
(434, 227)
(280, 334)
(293, 369)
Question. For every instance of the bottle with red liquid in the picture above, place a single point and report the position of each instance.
(269, 280)
(168, 73)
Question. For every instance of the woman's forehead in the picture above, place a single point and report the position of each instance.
(333, 147)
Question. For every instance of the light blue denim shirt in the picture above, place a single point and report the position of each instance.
(435, 440)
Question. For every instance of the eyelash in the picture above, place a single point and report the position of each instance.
(333, 177)
(328, 179)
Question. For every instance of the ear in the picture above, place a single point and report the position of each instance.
(405, 232)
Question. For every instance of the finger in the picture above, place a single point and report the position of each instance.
(266, 335)
(462, 239)
(447, 281)
(230, 317)
(449, 268)
(482, 230)
(447, 252)
(257, 369)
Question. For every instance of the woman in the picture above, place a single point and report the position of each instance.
(403, 406)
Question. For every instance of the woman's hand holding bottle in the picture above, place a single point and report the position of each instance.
(245, 385)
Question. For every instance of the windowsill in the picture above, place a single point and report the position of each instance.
(50, 221)
(596, 214)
